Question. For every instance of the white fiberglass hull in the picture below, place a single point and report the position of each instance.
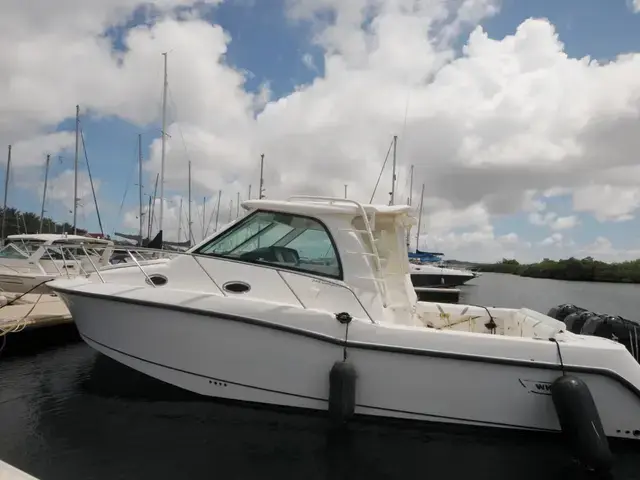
(432, 276)
(23, 283)
(287, 363)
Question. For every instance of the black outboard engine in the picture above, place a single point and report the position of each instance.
(590, 324)
(614, 327)
(576, 321)
(600, 327)
(563, 311)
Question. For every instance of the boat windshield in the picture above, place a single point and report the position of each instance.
(11, 250)
(72, 250)
(17, 248)
(282, 239)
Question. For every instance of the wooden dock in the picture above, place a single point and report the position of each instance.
(31, 311)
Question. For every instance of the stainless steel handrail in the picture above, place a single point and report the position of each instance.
(130, 251)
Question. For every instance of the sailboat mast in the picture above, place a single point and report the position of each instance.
(260, 195)
(180, 221)
(44, 192)
(149, 218)
(204, 207)
(393, 176)
(6, 191)
(75, 172)
(420, 217)
(140, 183)
(411, 187)
(189, 219)
(164, 141)
(410, 201)
(153, 208)
(218, 209)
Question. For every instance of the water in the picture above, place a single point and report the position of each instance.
(504, 290)
(67, 412)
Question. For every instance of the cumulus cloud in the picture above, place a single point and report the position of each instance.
(480, 244)
(553, 221)
(607, 202)
(554, 239)
(490, 131)
(307, 60)
(635, 5)
(603, 249)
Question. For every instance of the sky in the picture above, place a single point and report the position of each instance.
(521, 119)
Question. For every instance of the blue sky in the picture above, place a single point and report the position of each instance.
(270, 48)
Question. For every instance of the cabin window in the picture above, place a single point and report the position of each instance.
(11, 251)
(27, 246)
(280, 239)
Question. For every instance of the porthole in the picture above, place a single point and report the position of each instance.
(236, 287)
(157, 280)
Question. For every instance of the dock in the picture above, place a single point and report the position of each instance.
(31, 311)
(7, 472)
(438, 294)
(32, 323)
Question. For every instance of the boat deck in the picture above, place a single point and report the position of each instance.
(7, 472)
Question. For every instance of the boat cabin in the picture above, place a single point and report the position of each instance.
(361, 247)
(318, 253)
(48, 253)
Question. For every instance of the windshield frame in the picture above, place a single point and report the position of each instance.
(242, 223)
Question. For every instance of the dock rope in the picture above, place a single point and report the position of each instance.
(554, 340)
(19, 324)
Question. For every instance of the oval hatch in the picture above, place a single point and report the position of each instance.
(236, 287)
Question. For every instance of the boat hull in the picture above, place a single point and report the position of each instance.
(25, 283)
(241, 359)
(438, 280)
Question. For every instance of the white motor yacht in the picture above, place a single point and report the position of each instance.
(28, 261)
(265, 309)
(425, 275)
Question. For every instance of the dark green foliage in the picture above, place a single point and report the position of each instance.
(585, 270)
(17, 221)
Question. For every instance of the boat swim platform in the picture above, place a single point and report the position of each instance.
(438, 294)
(8, 472)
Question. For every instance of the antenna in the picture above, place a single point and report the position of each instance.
(393, 177)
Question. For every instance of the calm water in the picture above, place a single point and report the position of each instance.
(67, 412)
(503, 290)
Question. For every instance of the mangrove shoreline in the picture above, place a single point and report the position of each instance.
(581, 270)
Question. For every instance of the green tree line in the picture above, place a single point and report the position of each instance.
(585, 270)
(17, 222)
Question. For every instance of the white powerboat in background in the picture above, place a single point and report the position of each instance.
(426, 275)
(28, 261)
(309, 303)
